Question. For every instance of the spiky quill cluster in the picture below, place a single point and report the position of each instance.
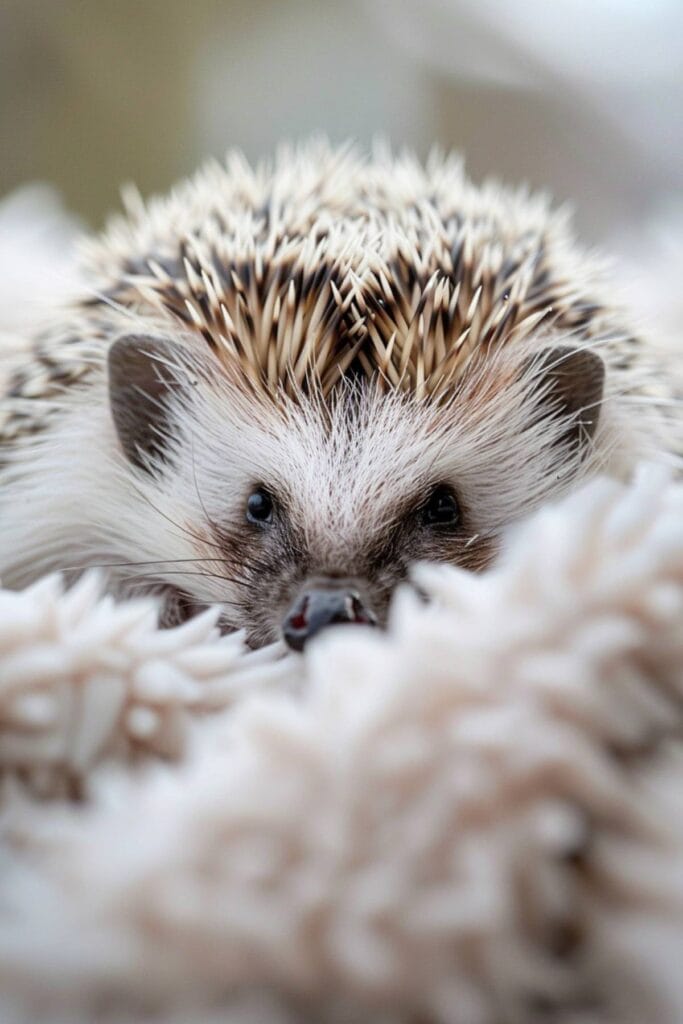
(299, 269)
(323, 263)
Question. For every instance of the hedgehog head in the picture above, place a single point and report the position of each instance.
(330, 368)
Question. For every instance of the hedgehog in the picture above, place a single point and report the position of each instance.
(283, 386)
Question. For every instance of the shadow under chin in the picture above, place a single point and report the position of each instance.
(178, 607)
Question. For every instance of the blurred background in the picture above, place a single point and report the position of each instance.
(581, 97)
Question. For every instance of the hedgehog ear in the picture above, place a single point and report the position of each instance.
(142, 377)
(572, 381)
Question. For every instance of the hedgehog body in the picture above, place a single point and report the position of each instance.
(310, 375)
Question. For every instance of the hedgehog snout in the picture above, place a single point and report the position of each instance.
(322, 604)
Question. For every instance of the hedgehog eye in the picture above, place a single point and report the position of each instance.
(259, 507)
(442, 508)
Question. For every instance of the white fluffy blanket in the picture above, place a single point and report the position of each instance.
(475, 818)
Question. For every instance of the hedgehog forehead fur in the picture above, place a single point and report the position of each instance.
(322, 262)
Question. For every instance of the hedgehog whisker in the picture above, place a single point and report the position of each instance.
(235, 580)
(185, 572)
(149, 587)
(133, 565)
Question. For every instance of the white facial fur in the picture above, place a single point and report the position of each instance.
(348, 477)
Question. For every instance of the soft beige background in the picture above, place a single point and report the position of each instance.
(584, 98)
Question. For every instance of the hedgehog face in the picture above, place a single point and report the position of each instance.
(300, 513)
(346, 570)
(332, 507)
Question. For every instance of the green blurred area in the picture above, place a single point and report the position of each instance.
(97, 93)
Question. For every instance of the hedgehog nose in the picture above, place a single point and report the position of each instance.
(320, 607)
